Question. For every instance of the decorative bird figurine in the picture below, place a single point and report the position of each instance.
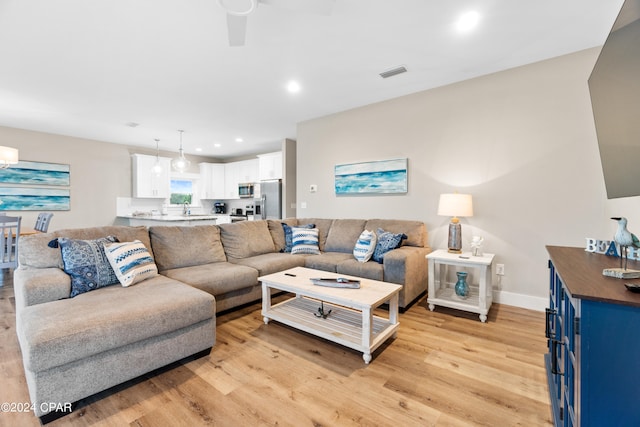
(624, 238)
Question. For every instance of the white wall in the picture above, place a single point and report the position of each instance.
(522, 142)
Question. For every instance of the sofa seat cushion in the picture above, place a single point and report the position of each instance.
(216, 278)
(60, 332)
(176, 247)
(272, 263)
(368, 270)
(326, 261)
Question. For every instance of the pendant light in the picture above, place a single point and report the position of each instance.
(180, 164)
(157, 167)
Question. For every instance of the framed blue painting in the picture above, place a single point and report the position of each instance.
(378, 177)
(35, 186)
(36, 173)
(34, 199)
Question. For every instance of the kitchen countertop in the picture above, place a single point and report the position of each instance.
(169, 218)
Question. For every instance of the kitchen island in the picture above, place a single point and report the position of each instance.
(178, 220)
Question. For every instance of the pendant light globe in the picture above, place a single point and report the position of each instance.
(180, 163)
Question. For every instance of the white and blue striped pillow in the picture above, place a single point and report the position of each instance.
(131, 262)
(305, 241)
(365, 245)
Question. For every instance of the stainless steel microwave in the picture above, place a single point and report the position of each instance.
(245, 190)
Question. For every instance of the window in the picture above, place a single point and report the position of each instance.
(181, 191)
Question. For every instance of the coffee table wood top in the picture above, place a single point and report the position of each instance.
(371, 293)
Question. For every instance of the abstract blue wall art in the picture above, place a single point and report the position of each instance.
(36, 173)
(34, 199)
(384, 176)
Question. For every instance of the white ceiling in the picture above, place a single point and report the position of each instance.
(86, 68)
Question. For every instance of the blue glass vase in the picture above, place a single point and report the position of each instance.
(462, 288)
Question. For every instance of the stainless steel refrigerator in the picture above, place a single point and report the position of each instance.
(271, 199)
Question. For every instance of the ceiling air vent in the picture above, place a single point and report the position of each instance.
(393, 72)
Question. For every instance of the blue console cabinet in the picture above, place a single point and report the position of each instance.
(593, 331)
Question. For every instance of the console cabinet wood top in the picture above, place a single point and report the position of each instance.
(581, 272)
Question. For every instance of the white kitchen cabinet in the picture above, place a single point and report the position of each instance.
(146, 183)
(236, 173)
(231, 180)
(212, 177)
(248, 171)
(270, 166)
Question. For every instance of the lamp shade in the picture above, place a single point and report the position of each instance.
(8, 156)
(455, 205)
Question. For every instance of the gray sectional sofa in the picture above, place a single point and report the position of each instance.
(75, 347)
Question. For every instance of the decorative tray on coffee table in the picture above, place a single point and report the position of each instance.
(339, 282)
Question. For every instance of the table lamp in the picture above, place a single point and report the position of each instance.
(455, 205)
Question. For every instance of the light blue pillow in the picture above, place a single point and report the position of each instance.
(288, 236)
(387, 241)
(305, 241)
(365, 245)
(86, 263)
(131, 262)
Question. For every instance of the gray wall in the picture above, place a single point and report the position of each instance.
(522, 142)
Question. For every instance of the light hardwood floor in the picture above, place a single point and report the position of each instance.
(445, 368)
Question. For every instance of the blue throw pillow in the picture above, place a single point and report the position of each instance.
(288, 235)
(305, 241)
(386, 241)
(131, 262)
(87, 264)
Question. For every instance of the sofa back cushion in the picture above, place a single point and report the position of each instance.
(277, 231)
(245, 239)
(35, 252)
(343, 235)
(415, 231)
(177, 247)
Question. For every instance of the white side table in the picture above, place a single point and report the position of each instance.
(480, 295)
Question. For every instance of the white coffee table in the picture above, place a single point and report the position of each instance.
(351, 322)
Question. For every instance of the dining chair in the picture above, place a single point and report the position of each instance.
(9, 238)
(42, 223)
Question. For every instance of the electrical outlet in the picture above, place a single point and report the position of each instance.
(500, 269)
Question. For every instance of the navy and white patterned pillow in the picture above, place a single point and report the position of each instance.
(288, 235)
(386, 241)
(87, 264)
(305, 241)
(131, 261)
(365, 245)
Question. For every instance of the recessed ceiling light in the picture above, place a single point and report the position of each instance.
(293, 86)
(217, 145)
(467, 21)
(198, 149)
(239, 139)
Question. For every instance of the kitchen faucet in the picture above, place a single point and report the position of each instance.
(185, 208)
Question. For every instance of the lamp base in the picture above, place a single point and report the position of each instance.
(455, 238)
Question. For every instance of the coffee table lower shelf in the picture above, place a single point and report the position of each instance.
(343, 326)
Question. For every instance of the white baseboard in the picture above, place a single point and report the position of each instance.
(520, 300)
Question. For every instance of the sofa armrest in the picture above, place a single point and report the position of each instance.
(407, 266)
(39, 285)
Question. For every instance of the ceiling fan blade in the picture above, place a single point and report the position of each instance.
(317, 7)
(237, 27)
